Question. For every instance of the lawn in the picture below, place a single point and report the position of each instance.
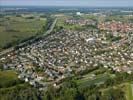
(99, 79)
(129, 91)
(14, 28)
(8, 78)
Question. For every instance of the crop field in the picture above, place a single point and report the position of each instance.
(8, 78)
(13, 28)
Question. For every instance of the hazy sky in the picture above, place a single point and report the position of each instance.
(88, 3)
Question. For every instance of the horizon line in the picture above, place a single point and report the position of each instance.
(63, 6)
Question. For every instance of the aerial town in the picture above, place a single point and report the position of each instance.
(91, 50)
(64, 52)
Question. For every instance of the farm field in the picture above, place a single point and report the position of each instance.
(8, 78)
(16, 28)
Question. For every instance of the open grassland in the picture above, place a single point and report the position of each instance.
(8, 78)
(14, 28)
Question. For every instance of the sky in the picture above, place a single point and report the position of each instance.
(88, 3)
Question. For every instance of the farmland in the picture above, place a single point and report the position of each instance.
(16, 28)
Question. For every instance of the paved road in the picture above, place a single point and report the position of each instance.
(21, 44)
(51, 28)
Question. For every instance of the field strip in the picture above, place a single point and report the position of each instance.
(132, 89)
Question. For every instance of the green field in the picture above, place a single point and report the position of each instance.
(8, 78)
(14, 28)
(97, 80)
(129, 91)
(97, 77)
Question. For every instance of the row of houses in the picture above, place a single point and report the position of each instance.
(116, 26)
(80, 22)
